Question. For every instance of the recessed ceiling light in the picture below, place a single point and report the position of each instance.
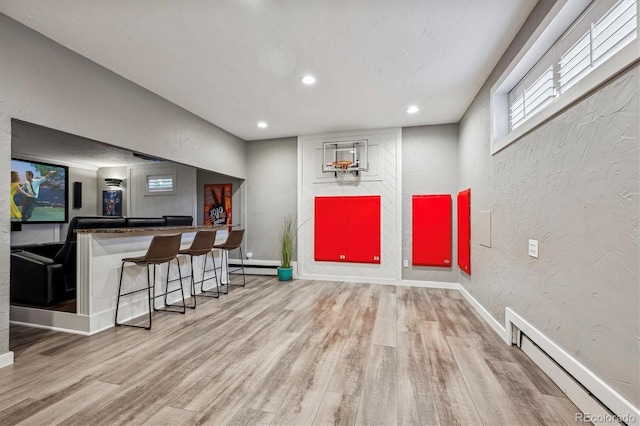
(262, 124)
(308, 79)
(413, 109)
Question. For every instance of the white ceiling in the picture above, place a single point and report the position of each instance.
(235, 62)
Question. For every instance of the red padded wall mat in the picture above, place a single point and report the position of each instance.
(330, 237)
(431, 230)
(464, 230)
(363, 229)
(347, 229)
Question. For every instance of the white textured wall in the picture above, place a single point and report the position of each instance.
(43, 83)
(429, 166)
(572, 184)
(181, 202)
(272, 184)
(385, 142)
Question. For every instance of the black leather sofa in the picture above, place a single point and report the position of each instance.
(45, 274)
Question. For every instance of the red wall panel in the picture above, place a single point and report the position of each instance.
(431, 230)
(363, 229)
(464, 230)
(330, 223)
(347, 229)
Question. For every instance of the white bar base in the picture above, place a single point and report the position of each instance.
(6, 359)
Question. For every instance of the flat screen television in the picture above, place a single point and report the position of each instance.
(39, 192)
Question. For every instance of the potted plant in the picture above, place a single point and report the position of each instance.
(287, 238)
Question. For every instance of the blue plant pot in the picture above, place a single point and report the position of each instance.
(285, 274)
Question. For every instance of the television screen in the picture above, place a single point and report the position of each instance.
(38, 192)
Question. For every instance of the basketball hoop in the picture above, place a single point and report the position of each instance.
(342, 164)
(342, 168)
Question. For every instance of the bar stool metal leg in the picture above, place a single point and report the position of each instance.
(162, 249)
(119, 291)
(149, 291)
(166, 291)
(225, 260)
(148, 327)
(237, 269)
(209, 293)
(242, 265)
(193, 284)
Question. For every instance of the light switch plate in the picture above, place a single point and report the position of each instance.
(533, 248)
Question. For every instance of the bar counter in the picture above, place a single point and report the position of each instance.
(151, 229)
(99, 260)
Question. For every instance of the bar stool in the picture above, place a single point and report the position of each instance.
(234, 241)
(162, 249)
(201, 246)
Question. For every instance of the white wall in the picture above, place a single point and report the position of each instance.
(573, 185)
(382, 179)
(43, 83)
(429, 166)
(182, 201)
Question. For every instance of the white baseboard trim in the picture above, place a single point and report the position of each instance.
(52, 328)
(6, 359)
(603, 392)
(339, 278)
(495, 325)
(578, 372)
(382, 281)
(428, 284)
(49, 320)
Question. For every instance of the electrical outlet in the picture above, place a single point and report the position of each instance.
(533, 248)
(405, 263)
(249, 255)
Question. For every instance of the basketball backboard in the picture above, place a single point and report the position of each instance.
(350, 156)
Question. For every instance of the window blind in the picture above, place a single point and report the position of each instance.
(600, 32)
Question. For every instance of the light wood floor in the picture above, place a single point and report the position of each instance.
(296, 353)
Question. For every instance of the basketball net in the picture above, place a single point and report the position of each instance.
(342, 170)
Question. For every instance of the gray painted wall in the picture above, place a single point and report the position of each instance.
(572, 184)
(237, 202)
(429, 166)
(271, 193)
(46, 84)
(238, 210)
(89, 195)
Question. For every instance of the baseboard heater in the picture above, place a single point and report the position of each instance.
(256, 267)
(592, 409)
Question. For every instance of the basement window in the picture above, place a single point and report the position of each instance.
(160, 184)
(578, 47)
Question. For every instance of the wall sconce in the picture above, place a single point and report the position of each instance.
(113, 182)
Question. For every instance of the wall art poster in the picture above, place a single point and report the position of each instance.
(112, 203)
(217, 204)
